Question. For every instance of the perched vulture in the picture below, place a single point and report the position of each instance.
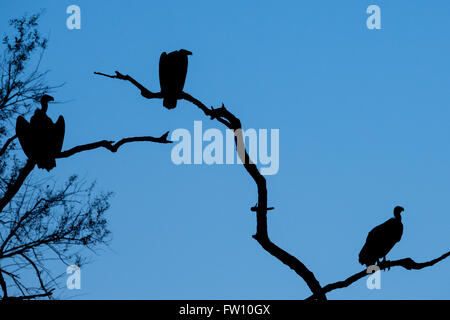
(172, 74)
(382, 239)
(41, 139)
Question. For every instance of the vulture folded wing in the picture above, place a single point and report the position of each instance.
(380, 241)
(24, 135)
(181, 64)
(167, 80)
(59, 131)
(163, 74)
(392, 233)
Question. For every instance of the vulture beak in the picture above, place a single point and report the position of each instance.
(46, 98)
(186, 52)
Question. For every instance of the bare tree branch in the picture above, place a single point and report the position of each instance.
(144, 91)
(232, 122)
(40, 223)
(32, 296)
(6, 145)
(14, 188)
(66, 218)
(3, 285)
(406, 263)
(38, 274)
(110, 145)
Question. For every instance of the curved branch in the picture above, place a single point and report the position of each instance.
(3, 285)
(110, 145)
(6, 145)
(15, 186)
(232, 122)
(144, 91)
(33, 296)
(406, 263)
(38, 274)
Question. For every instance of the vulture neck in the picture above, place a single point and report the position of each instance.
(44, 105)
(398, 216)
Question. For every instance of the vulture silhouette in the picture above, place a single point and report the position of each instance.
(172, 74)
(382, 239)
(41, 139)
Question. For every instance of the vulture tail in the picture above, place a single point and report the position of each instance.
(23, 133)
(170, 102)
(364, 257)
(47, 164)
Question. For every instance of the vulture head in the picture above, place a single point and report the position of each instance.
(397, 211)
(45, 100)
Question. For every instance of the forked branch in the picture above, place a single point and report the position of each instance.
(112, 146)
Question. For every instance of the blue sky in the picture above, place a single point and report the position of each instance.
(363, 119)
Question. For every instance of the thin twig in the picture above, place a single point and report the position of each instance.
(111, 145)
(14, 187)
(6, 145)
(144, 91)
(33, 296)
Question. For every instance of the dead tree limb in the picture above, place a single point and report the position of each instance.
(15, 186)
(232, 122)
(406, 263)
(30, 297)
(6, 145)
(110, 145)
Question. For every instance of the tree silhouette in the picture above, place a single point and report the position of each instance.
(41, 222)
(224, 116)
